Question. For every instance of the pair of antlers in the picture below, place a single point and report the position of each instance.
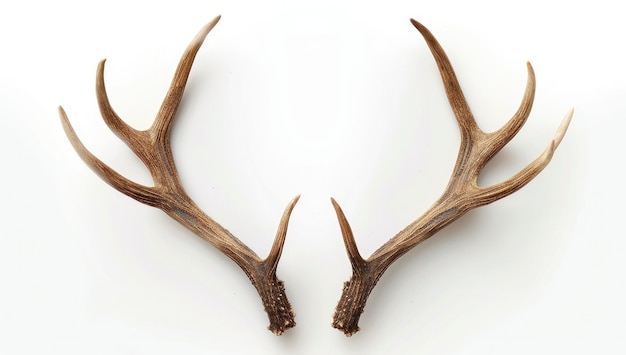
(462, 194)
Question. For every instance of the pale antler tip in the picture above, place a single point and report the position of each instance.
(69, 130)
(209, 26)
(290, 207)
(101, 65)
(560, 133)
(214, 22)
(65, 121)
(71, 135)
(100, 71)
(197, 41)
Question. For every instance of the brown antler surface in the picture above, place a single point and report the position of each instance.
(461, 195)
(152, 146)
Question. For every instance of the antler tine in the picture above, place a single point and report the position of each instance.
(121, 129)
(457, 100)
(152, 146)
(130, 136)
(499, 138)
(495, 192)
(356, 260)
(459, 104)
(162, 124)
(141, 193)
(279, 241)
(560, 132)
(172, 98)
(461, 195)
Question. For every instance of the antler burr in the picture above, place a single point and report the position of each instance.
(153, 147)
(461, 195)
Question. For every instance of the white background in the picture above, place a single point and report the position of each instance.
(319, 98)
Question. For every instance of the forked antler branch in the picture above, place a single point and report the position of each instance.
(152, 146)
(461, 195)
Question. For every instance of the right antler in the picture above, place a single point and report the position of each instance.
(152, 146)
(461, 195)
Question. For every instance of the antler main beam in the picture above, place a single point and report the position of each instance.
(461, 195)
(152, 146)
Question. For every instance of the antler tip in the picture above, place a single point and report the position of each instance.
(69, 131)
(209, 26)
(281, 234)
(100, 74)
(338, 209)
(348, 236)
(423, 30)
(214, 22)
(64, 119)
(417, 24)
(101, 64)
(291, 205)
(560, 133)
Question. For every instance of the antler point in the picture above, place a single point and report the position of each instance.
(560, 133)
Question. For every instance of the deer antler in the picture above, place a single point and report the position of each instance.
(152, 146)
(461, 195)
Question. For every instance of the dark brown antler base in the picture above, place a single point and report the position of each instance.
(276, 304)
(352, 302)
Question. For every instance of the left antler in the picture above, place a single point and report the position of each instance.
(152, 146)
(461, 195)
